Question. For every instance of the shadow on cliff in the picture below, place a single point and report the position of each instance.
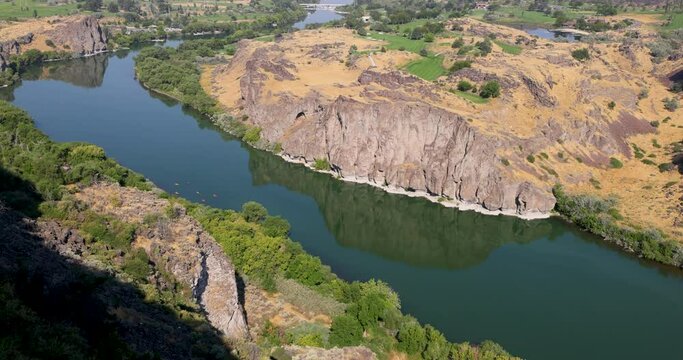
(54, 306)
(411, 230)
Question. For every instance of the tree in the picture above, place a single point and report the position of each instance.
(411, 336)
(464, 85)
(276, 226)
(253, 211)
(457, 43)
(113, 7)
(606, 10)
(370, 309)
(35, 13)
(460, 64)
(416, 34)
(345, 331)
(490, 90)
(437, 346)
(93, 5)
(429, 37)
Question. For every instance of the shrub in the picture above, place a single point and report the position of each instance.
(530, 158)
(276, 226)
(666, 167)
(411, 336)
(457, 43)
(611, 105)
(424, 52)
(345, 331)
(460, 64)
(615, 163)
(464, 85)
(136, 264)
(581, 54)
(49, 43)
(490, 90)
(484, 47)
(252, 135)
(671, 104)
(429, 37)
(505, 162)
(321, 164)
(253, 212)
(437, 346)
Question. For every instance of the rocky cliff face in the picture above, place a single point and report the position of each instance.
(83, 36)
(388, 138)
(55, 274)
(179, 244)
(12, 47)
(79, 35)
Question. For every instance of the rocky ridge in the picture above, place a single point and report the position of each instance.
(180, 245)
(377, 125)
(78, 35)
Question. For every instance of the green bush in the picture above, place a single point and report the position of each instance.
(411, 336)
(671, 104)
(460, 64)
(464, 85)
(253, 212)
(321, 165)
(531, 158)
(615, 163)
(136, 264)
(276, 226)
(252, 135)
(345, 331)
(490, 90)
(581, 54)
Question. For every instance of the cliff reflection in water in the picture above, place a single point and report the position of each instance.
(411, 230)
(85, 72)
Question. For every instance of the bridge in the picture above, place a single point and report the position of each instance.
(329, 7)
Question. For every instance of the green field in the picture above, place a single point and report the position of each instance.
(508, 48)
(9, 10)
(676, 22)
(398, 42)
(471, 97)
(428, 68)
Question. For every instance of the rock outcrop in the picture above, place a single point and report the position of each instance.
(78, 35)
(12, 47)
(395, 140)
(83, 36)
(312, 353)
(56, 274)
(179, 244)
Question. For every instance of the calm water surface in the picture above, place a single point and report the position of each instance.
(541, 288)
(322, 16)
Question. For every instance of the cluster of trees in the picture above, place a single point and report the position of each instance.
(599, 216)
(174, 72)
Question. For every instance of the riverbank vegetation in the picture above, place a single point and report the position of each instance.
(600, 217)
(174, 72)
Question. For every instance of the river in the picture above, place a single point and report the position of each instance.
(543, 289)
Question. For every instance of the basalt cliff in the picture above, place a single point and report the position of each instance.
(78, 35)
(331, 95)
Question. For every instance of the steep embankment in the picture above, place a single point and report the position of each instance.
(329, 95)
(76, 35)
